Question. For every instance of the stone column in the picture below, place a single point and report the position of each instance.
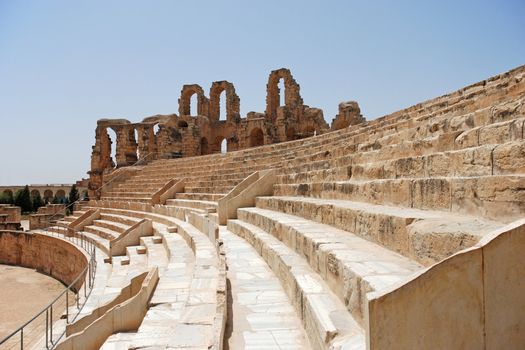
(100, 160)
(147, 147)
(126, 150)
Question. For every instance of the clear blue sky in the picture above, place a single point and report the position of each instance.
(65, 64)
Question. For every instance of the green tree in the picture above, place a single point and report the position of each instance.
(85, 195)
(37, 201)
(56, 200)
(73, 195)
(23, 200)
(7, 198)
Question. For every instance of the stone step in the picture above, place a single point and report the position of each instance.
(126, 220)
(498, 197)
(263, 316)
(111, 225)
(127, 194)
(210, 197)
(218, 189)
(201, 182)
(189, 203)
(156, 252)
(423, 235)
(102, 232)
(99, 241)
(473, 161)
(350, 265)
(325, 318)
(63, 223)
(127, 199)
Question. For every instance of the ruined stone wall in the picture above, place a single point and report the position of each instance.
(187, 135)
(10, 217)
(349, 114)
(49, 255)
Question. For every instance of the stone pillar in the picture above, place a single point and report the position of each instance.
(126, 150)
(147, 147)
(100, 160)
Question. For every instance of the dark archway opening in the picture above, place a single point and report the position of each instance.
(48, 196)
(256, 137)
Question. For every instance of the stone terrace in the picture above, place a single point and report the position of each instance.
(354, 213)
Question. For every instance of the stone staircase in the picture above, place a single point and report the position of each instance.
(355, 213)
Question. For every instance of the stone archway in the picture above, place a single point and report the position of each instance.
(48, 195)
(185, 100)
(256, 137)
(292, 97)
(35, 193)
(232, 101)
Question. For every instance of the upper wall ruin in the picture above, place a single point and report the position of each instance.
(186, 135)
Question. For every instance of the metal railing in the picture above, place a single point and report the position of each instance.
(67, 305)
(19, 337)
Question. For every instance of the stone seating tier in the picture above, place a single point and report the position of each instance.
(354, 213)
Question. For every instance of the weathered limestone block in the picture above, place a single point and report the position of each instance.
(432, 240)
(469, 162)
(349, 114)
(501, 132)
(509, 158)
(431, 193)
(500, 198)
(430, 304)
(410, 167)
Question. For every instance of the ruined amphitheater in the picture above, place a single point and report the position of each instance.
(403, 232)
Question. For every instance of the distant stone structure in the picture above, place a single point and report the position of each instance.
(47, 191)
(46, 216)
(10, 217)
(186, 135)
(349, 114)
(403, 232)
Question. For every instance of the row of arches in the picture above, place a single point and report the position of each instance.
(46, 195)
(223, 144)
(223, 104)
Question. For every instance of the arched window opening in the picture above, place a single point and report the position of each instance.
(113, 140)
(256, 138)
(280, 85)
(35, 193)
(204, 146)
(224, 146)
(182, 124)
(61, 195)
(48, 196)
(310, 131)
(222, 106)
(194, 101)
(136, 134)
